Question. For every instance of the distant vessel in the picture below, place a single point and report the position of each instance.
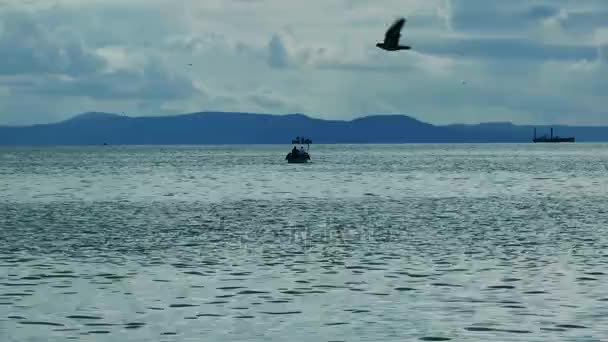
(551, 139)
(299, 155)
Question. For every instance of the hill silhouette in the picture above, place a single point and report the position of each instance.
(96, 128)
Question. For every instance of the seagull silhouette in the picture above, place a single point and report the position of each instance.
(391, 38)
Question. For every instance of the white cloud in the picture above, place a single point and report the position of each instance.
(524, 61)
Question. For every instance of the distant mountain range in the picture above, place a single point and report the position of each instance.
(247, 128)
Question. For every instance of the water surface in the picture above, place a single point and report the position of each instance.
(366, 243)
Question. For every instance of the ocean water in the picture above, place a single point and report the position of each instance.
(365, 243)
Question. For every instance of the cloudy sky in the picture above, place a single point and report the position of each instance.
(525, 61)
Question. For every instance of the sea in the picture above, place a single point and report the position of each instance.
(485, 242)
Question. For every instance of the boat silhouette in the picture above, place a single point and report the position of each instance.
(299, 156)
(551, 138)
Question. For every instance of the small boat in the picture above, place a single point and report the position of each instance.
(299, 155)
(297, 158)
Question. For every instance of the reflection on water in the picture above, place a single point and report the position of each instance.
(389, 243)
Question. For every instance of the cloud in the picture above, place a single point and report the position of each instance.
(526, 61)
(56, 64)
(502, 17)
(539, 12)
(508, 48)
(27, 47)
(277, 54)
(152, 83)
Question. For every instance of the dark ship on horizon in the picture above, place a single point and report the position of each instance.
(551, 138)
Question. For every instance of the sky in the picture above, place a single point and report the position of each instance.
(523, 61)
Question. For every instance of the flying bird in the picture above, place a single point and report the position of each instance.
(391, 38)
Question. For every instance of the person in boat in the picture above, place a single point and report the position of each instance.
(294, 151)
(302, 152)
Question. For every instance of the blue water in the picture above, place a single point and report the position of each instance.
(365, 243)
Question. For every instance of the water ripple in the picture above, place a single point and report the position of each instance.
(408, 243)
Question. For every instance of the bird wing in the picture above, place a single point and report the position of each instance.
(394, 32)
